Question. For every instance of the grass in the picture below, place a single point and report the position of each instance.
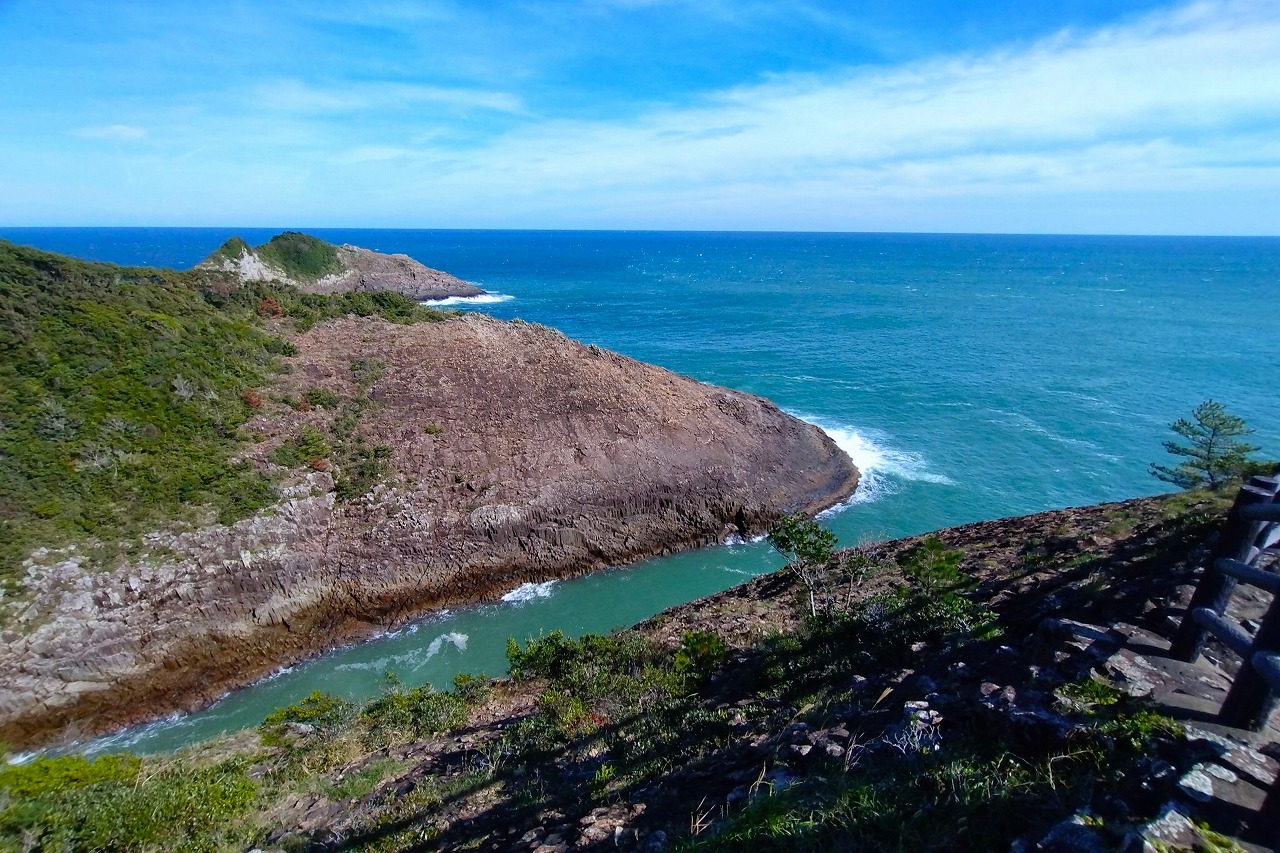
(54, 804)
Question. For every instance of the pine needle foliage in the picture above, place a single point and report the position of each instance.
(1215, 456)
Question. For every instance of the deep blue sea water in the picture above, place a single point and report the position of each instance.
(971, 377)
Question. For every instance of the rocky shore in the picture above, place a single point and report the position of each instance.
(509, 453)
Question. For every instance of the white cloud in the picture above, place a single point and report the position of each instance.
(1191, 95)
(296, 96)
(115, 132)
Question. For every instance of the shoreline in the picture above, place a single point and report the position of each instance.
(138, 716)
(614, 461)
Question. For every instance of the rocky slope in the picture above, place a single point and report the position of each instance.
(996, 686)
(501, 453)
(1043, 734)
(314, 266)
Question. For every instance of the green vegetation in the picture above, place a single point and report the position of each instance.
(934, 569)
(309, 447)
(272, 300)
(66, 772)
(301, 256)
(810, 548)
(234, 249)
(317, 709)
(401, 715)
(69, 803)
(1215, 456)
(123, 391)
(977, 792)
(321, 398)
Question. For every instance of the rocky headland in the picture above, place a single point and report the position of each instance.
(314, 266)
(419, 466)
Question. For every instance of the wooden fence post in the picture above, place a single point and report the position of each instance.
(1215, 589)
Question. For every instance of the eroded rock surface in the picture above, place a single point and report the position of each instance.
(516, 455)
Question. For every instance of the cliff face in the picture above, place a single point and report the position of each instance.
(515, 455)
(314, 266)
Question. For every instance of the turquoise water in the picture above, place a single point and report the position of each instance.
(971, 377)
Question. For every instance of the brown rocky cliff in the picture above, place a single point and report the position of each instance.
(517, 455)
(369, 270)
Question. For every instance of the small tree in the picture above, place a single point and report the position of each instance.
(1215, 457)
(808, 547)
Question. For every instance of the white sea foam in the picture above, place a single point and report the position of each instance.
(459, 641)
(127, 739)
(882, 467)
(482, 299)
(528, 592)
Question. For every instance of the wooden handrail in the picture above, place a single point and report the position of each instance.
(1232, 635)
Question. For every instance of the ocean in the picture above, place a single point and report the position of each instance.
(969, 376)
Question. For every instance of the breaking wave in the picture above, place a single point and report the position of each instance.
(528, 592)
(482, 299)
(882, 466)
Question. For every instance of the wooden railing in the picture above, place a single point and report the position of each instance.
(1251, 529)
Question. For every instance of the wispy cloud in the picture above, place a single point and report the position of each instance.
(1192, 76)
(297, 96)
(1167, 122)
(1192, 95)
(115, 132)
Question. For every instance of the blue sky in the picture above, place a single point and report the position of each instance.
(1079, 117)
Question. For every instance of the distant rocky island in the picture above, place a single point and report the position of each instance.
(215, 473)
(314, 266)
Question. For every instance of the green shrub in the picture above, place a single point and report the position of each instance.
(44, 774)
(367, 371)
(935, 569)
(414, 714)
(361, 467)
(301, 256)
(322, 710)
(321, 398)
(307, 446)
(700, 652)
(474, 689)
(279, 346)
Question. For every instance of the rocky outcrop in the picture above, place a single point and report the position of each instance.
(353, 269)
(515, 454)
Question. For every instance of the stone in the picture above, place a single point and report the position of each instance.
(550, 460)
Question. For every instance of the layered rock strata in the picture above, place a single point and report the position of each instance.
(516, 455)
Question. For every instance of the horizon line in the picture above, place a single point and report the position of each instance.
(706, 231)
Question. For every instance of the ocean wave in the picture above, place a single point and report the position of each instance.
(882, 467)
(482, 299)
(126, 739)
(458, 641)
(1031, 425)
(528, 592)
